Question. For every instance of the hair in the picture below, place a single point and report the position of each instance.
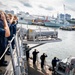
(1, 11)
(15, 17)
(7, 15)
(10, 15)
(54, 57)
(43, 53)
(4, 13)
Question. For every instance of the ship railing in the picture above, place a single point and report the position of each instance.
(17, 62)
(36, 36)
(39, 35)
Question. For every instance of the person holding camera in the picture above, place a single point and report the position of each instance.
(4, 32)
(9, 19)
(12, 21)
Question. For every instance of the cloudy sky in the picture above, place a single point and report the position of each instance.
(40, 7)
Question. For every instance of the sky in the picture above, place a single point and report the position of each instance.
(40, 7)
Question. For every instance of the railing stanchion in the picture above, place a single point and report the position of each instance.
(18, 40)
(12, 58)
(17, 52)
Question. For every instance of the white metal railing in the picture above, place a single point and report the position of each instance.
(38, 35)
(16, 69)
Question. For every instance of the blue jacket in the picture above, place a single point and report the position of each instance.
(2, 40)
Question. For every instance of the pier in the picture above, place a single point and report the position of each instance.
(68, 28)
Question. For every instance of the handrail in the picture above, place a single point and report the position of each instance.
(4, 52)
(15, 38)
(6, 48)
(12, 52)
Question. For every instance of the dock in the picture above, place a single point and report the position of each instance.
(68, 28)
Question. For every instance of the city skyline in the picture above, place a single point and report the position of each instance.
(40, 7)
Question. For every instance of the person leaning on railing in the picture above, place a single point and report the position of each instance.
(14, 24)
(9, 18)
(4, 32)
(12, 21)
(14, 28)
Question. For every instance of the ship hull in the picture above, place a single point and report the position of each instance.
(53, 24)
(24, 22)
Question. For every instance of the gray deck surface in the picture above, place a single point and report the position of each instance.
(36, 70)
(32, 70)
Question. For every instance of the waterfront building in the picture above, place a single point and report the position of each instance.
(64, 16)
(9, 11)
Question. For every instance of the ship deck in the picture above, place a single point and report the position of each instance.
(36, 70)
(2, 68)
(32, 70)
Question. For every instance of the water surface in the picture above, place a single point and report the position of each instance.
(62, 49)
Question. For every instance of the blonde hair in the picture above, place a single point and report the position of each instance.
(3, 12)
(15, 17)
(10, 15)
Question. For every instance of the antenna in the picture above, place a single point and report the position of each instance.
(64, 13)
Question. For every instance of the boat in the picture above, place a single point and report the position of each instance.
(56, 23)
(65, 66)
(61, 20)
(68, 28)
(24, 18)
(53, 23)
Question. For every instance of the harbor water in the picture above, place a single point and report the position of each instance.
(61, 50)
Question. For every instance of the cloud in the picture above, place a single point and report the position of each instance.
(46, 8)
(41, 6)
(1, 4)
(27, 4)
(69, 1)
(16, 7)
(49, 8)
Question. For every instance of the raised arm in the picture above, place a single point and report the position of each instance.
(11, 18)
(6, 28)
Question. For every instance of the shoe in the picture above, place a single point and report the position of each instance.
(3, 64)
(5, 61)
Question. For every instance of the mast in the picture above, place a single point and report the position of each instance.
(64, 14)
(58, 17)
